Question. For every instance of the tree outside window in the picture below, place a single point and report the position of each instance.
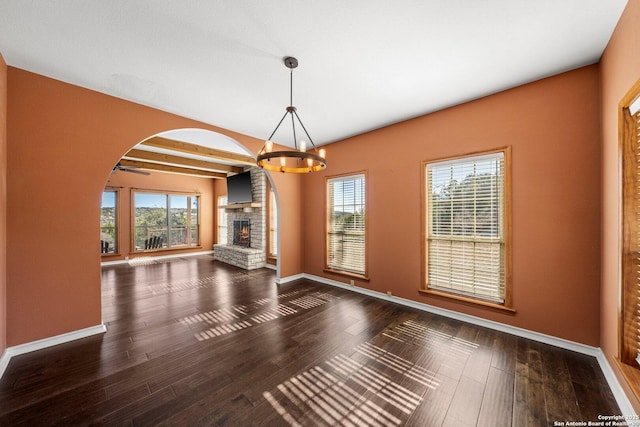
(109, 222)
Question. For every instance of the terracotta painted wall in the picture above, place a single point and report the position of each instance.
(3, 205)
(553, 128)
(620, 69)
(292, 223)
(164, 182)
(62, 142)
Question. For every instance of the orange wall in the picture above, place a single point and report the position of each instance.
(62, 142)
(3, 205)
(291, 226)
(620, 69)
(163, 182)
(553, 128)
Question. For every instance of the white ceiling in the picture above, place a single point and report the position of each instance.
(364, 64)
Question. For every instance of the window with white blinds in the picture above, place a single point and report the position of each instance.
(273, 224)
(222, 220)
(466, 232)
(630, 318)
(346, 224)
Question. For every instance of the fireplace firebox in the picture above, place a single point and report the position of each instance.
(242, 232)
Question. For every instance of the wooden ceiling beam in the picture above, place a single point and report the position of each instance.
(185, 147)
(172, 169)
(180, 161)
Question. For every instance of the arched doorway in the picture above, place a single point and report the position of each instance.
(55, 194)
(163, 200)
(164, 195)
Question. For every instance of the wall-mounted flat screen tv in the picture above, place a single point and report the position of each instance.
(239, 188)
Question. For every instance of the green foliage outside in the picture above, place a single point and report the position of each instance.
(467, 208)
(152, 221)
(108, 227)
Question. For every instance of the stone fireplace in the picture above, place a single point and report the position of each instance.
(246, 229)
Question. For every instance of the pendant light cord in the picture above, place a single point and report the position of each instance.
(305, 161)
(292, 109)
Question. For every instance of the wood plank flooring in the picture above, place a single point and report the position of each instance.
(196, 342)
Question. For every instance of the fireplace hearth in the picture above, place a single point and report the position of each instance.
(242, 232)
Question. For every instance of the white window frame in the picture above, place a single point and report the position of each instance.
(222, 233)
(167, 229)
(115, 249)
(272, 213)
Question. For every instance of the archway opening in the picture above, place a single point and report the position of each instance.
(163, 198)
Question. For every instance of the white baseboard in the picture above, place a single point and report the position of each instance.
(618, 392)
(4, 362)
(288, 279)
(10, 352)
(155, 258)
(621, 398)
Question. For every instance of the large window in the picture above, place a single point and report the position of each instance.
(272, 224)
(346, 225)
(109, 222)
(466, 233)
(630, 316)
(165, 221)
(222, 220)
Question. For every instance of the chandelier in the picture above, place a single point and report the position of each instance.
(298, 160)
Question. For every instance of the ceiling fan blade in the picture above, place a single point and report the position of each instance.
(132, 169)
(139, 172)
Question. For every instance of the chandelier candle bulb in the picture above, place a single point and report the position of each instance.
(268, 146)
(322, 153)
(303, 146)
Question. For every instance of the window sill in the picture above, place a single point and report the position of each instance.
(347, 274)
(631, 375)
(110, 255)
(150, 251)
(469, 300)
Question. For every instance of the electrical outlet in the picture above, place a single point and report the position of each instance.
(389, 293)
(353, 282)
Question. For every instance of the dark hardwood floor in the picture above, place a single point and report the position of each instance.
(195, 342)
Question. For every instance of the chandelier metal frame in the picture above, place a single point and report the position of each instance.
(298, 160)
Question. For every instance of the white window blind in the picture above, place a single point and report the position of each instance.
(635, 106)
(273, 224)
(222, 221)
(346, 237)
(465, 233)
